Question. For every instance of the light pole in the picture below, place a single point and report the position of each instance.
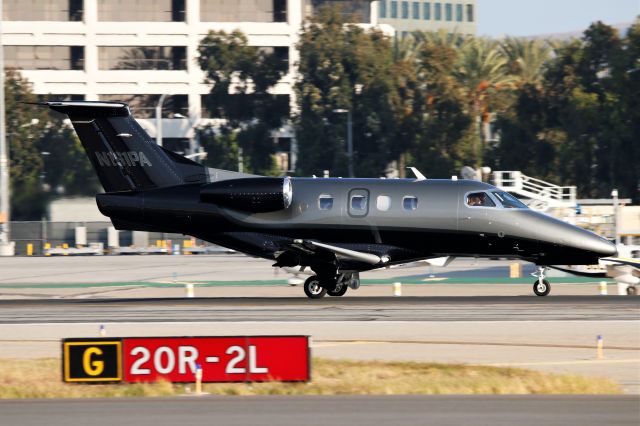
(349, 138)
(6, 249)
(616, 209)
(159, 119)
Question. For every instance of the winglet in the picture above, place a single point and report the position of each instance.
(416, 172)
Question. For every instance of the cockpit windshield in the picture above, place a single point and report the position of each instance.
(508, 201)
(479, 199)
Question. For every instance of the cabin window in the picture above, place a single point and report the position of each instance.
(325, 202)
(358, 202)
(479, 199)
(383, 203)
(410, 202)
(508, 201)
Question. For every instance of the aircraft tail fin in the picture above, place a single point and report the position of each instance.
(122, 153)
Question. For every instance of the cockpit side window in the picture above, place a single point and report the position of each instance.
(508, 201)
(479, 199)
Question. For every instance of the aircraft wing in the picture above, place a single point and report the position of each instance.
(621, 261)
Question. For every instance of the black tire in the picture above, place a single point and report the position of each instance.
(338, 291)
(541, 288)
(313, 288)
(632, 290)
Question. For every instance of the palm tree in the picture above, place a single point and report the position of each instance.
(482, 70)
(526, 59)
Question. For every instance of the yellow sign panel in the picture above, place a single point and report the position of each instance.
(92, 360)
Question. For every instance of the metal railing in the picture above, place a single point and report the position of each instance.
(543, 194)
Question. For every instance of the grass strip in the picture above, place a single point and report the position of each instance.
(40, 378)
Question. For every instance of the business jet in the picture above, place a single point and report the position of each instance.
(336, 227)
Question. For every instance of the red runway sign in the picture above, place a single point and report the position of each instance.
(176, 359)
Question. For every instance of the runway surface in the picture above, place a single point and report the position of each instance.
(488, 308)
(322, 410)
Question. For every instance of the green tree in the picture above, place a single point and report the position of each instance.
(343, 67)
(44, 154)
(243, 78)
(429, 102)
(483, 72)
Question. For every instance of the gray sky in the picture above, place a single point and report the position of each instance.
(532, 17)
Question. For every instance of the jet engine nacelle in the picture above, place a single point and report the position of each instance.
(255, 195)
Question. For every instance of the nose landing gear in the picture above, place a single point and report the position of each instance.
(541, 287)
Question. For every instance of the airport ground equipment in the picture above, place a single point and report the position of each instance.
(335, 227)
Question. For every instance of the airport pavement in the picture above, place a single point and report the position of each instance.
(45, 299)
(223, 267)
(560, 410)
(553, 334)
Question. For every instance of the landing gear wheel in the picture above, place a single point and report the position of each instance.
(541, 287)
(313, 288)
(632, 290)
(338, 291)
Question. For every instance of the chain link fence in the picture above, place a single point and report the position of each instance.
(58, 234)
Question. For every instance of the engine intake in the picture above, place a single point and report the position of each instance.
(256, 195)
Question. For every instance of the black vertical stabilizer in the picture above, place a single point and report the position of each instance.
(122, 153)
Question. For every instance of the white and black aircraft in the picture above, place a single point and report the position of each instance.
(335, 227)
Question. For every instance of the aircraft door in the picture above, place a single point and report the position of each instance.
(358, 203)
(477, 218)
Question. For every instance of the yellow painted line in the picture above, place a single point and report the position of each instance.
(578, 362)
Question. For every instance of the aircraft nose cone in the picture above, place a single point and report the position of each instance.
(596, 244)
(604, 247)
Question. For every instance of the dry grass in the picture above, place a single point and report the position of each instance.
(41, 379)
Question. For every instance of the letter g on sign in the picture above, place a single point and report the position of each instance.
(92, 367)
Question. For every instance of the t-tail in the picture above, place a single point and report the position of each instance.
(122, 153)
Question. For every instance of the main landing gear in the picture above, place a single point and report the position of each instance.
(316, 287)
(541, 287)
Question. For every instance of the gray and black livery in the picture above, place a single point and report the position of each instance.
(335, 227)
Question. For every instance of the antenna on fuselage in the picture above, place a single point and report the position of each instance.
(416, 172)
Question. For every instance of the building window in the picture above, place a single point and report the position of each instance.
(141, 10)
(279, 105)
(426, 11)
(469, 13)
(448, 10)
(59, 97)
(438, 11)
(383, 8)
(415, 10)
(42, 10)
(279, 10)
(352, 11)
(280, 53)
(405, 10)
(409, 202)
(325, 202)
(243, 10)
(44, 57)
(142, 58)
(144, 106)
(383, 203)
(459, 12)
(394, 9)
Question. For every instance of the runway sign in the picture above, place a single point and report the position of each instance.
(222, 359)
(176, 359)
(92, 360)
